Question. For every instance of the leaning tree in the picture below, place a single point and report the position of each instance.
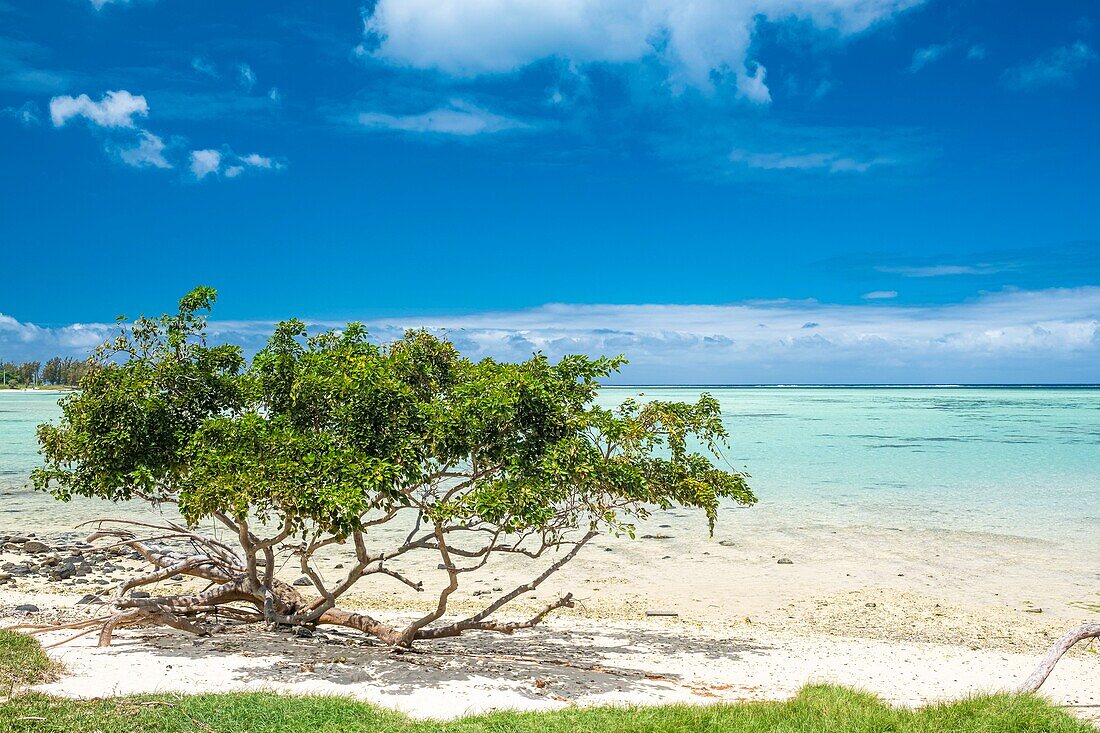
(331, 439)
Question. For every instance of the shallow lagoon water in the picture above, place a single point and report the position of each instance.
(1018, 461)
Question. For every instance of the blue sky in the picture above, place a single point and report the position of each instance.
(726, 190)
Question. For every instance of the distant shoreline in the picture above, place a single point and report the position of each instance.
(1025, 386)
(1083, 386)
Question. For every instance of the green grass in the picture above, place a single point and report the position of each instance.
(816, 709)
(22, 662)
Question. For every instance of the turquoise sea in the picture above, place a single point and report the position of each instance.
(1021, 461)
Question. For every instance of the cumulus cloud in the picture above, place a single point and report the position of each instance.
(205, 162)
(1023, 336)
(459, 118)
(1036, 336)
(257, 161)
(137, 148)
(752, 86)
(880, 295)
(697, 42)
(115, 109)
(213, 162)
(977, 52)
(1057, 67)
(146, 152)
(20, 341)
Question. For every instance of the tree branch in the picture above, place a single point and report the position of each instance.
(1071, 637)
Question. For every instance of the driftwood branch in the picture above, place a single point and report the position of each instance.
(1071, 637)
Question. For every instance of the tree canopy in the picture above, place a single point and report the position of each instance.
(322, 437)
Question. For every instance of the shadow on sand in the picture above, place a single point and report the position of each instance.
(557, 663)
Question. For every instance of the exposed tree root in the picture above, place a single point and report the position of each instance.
(243, 588)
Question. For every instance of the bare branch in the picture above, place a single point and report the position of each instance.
(1071, 637)
(459, 627)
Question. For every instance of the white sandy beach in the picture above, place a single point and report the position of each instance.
(914, 616)
(565, 663)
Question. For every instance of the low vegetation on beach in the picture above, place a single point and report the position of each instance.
(824, 708)
(22, 663)
(331, 439)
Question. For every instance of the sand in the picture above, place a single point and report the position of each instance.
(915, 616)
(565, 663)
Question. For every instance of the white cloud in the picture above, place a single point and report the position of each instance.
(28, 114)
(205, 162)
(924, 56)
(246, 76)
(275, 95)
(830, 162)
(214, 162)
(1026, 336)
(977, 52)
(115, 109)
(1057, 67)
(697, 41)
(459, 118)
(880, 295)
(1021, 336)
(205, 66)
(983, 268)
(28, 341)
(752, 86)
(148, 152)
(257, 161)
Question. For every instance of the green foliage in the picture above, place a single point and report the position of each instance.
(22, 662)
(820, 708)
(65, 371)
(56, 371)
(127, 430)
(322, 430)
